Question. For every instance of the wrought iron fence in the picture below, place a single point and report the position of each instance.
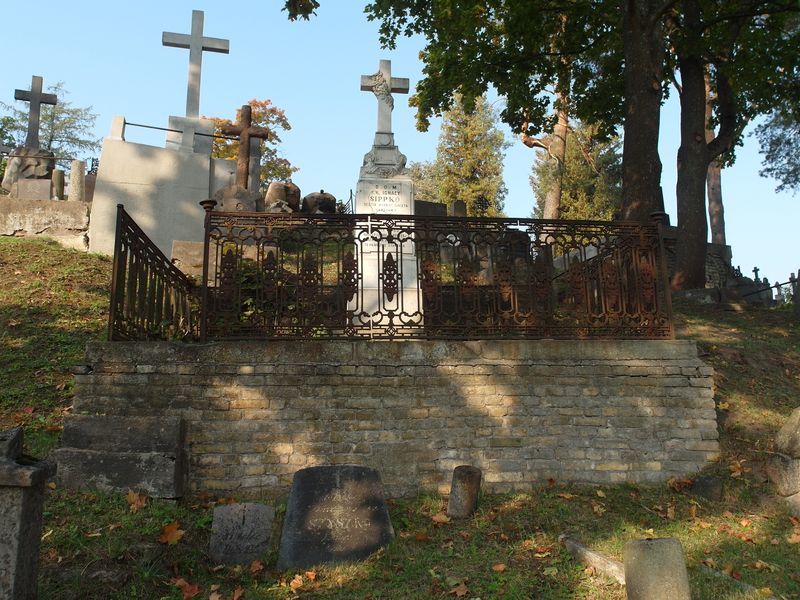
(396, 277)
(150, 297)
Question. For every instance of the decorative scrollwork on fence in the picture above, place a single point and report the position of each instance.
(394, 277)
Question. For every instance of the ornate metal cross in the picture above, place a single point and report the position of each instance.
(36, 98)
(196, 44)
(383, 85)
(245, 131)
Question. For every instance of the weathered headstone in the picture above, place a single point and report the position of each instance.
(246, 132)
(319, 202)
(656, 570)
(464, 490)
(29, 164)
(196, 43)
(334, 514)
(21, 499)
(240, 533)
(36, 98)
(77, 181)
(58, 184)
(146, 454)
(783, 467)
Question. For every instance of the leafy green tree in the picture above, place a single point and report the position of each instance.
(779, 137)
(264, 114)
(65, 130)
(590, 179)
(6, 139)
(469, 161)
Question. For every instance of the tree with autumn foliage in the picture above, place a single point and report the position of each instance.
(273, 166)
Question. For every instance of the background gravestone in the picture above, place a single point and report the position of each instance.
(240, 533)
(334, 514)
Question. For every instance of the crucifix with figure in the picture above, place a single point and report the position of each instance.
(246, 132)
(197, 44)
(36, 99)
(383, 85)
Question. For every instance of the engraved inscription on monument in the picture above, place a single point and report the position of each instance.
(385, 197)
(334, 514)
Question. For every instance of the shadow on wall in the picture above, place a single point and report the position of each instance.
(523, 412)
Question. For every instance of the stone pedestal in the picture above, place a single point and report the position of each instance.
(21, 498)
(58, 185)
(466, 486)
(387, 263)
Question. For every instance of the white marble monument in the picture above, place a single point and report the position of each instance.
(385, 188)
(161, 187)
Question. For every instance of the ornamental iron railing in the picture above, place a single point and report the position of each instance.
(151, 299)
(286, 276)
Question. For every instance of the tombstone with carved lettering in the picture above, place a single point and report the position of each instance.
(335, 514)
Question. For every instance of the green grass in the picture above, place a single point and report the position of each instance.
(52, 301)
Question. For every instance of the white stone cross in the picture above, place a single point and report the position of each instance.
(36, 98)
(383, 85)
(196, 44)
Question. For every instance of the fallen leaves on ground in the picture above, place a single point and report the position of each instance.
(460, 590)
(296, 583)
(136, 501)
(499, 568)
(440, 518)
(189, 590)
(256, 567)
(171, 534)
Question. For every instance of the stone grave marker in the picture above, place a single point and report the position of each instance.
(655, 569)
(196, 43)
(334, 514)
(107, 452)
(36, 98)
(384, 187)
(21, 500)
(240, 533)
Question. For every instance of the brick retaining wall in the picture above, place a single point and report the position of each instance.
(584, 411)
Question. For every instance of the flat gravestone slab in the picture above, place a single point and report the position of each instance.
(334, 514)
(33, 189)
(240, 533)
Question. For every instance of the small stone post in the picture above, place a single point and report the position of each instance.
(77, 181)
(795, 284)
(464, 491)
(21, 499)
(58, 184)
(656, 570)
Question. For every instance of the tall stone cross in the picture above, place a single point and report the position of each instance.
(383, 85)
(196, 44)
(36, 98)
(755, 272)
(245, 131)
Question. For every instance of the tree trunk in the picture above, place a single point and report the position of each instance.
(716, 210)
(558, 152)
(693, 160)
(644, 59)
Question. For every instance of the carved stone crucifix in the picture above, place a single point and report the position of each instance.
(245, 131)
(383, 85)
(36, 98)
(196, 44)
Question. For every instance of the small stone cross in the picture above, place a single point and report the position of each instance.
(245, 131)
(196, 44)
(755, 273)
(383, 85)
(36, 98)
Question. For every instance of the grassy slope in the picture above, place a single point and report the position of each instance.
(52, 301)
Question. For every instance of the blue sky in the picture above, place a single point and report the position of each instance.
(109, 55)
